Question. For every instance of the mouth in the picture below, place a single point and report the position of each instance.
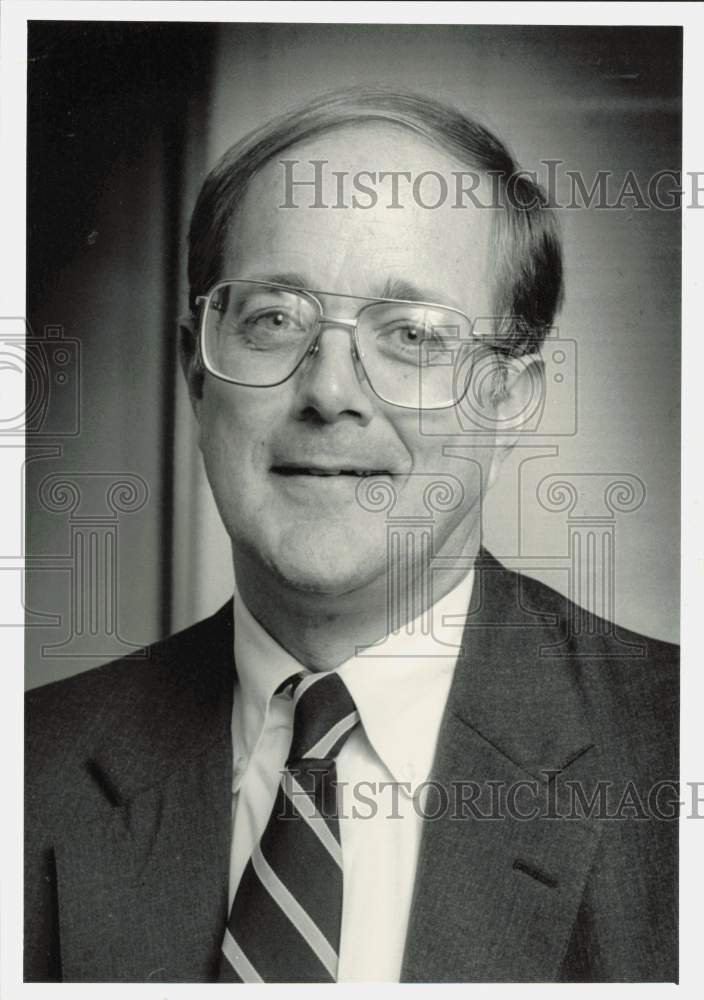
(327, 471)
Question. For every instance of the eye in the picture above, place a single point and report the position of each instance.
(409, 335)
(412, 335)
(272, 320)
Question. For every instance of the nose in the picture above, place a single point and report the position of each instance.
(331, 382)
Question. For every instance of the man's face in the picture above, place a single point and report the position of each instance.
(263, 446)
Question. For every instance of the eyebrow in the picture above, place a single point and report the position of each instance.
(290, 278)
(393, 288)
(398, 288)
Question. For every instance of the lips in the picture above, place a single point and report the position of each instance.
(328, 470)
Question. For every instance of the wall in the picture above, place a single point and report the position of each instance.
(113, 118)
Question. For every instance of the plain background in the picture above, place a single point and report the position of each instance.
(124, 121)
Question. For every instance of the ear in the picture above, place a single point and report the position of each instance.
(519, 396)
(191, 363)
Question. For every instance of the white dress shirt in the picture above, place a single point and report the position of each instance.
(400, 698)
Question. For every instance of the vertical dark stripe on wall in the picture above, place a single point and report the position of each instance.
(173, 159)
(183, 155)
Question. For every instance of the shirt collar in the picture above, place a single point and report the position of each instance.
(400, 686)
(262, 666)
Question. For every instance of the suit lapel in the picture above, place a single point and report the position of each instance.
(142, 874)
(496, 896)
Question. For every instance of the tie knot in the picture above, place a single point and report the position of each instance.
(324, 714)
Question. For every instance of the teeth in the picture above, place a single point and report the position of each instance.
(360, 473)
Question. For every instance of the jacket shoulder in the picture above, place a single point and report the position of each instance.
(579, 625)
(97, 739)
(121, 700)
(628, 682)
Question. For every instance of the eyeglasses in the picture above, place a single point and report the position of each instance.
(413, 354)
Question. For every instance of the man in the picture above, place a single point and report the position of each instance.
(196, 816)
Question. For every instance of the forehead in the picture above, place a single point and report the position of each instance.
(349, 231)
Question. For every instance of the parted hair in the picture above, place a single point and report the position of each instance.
(528, 274)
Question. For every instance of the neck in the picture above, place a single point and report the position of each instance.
(323, 630)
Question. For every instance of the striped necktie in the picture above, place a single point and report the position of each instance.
(284, 925)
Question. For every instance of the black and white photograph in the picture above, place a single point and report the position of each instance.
(342, 405)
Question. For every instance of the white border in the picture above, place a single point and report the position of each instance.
(14, 14)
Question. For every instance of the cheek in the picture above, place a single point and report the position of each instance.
(450, 472)
(228, 443)
(425, 437)
(229, 421)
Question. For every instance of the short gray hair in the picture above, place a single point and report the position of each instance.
(528, 252)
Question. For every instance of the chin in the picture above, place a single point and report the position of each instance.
(332, 559)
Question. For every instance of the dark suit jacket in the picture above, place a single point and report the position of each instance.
(128, 806)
